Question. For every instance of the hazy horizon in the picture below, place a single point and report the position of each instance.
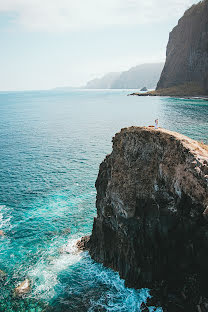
(61, 43)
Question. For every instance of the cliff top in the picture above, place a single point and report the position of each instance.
(152, 215)
(198, 149)
(195, 8)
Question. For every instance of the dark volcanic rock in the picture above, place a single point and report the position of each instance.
(83, 243)
(187, 50)
(144, 89)
(152, 215)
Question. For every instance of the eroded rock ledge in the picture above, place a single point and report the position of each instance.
(152, 214)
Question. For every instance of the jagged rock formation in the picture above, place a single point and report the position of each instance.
(187, 51)
(134, 78)
(152, 212)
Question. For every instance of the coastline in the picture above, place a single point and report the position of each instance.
(191, 90)
(188, 97)
(170, 174)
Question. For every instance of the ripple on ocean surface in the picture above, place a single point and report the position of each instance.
(51, 147)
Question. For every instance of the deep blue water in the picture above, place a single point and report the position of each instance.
(51, 145)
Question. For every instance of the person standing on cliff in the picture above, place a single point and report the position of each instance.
(156, 123)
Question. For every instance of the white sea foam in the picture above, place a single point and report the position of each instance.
(118, 298)
(115, 298)
(44, 273)
(4, 217)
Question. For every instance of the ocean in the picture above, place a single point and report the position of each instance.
(51, 145)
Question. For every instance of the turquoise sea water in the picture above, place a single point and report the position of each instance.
(51, 145)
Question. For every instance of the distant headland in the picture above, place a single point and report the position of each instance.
(186, 68)
(136, 77)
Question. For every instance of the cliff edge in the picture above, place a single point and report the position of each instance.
(186, 63)
(152, 214)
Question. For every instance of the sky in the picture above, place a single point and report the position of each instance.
(54, 43)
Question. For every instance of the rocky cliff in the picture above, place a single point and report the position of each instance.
(134, 78)
(152, 213)
(104, 82)
(187, 52)
(139, 76)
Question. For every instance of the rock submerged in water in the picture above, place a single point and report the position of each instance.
(151, 224)
(2, 275)
(66, 231)
(23, 288)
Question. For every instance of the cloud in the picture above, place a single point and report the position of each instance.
(67, 15)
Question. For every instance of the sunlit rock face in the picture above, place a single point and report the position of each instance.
(152, 215)
(187, 50)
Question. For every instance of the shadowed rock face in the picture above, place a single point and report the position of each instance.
(152, 196)
(187, 50)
